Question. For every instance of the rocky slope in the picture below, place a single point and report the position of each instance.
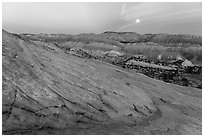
(47, 91)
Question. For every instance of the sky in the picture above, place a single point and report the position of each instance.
(76, 18)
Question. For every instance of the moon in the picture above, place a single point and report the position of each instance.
(137, 21)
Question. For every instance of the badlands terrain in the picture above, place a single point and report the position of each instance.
(110, 83)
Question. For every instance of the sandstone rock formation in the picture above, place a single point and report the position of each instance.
(47, 91)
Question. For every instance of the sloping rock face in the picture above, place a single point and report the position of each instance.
(46, 91)
(187, 63)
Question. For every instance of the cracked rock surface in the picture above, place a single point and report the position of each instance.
(46, 91)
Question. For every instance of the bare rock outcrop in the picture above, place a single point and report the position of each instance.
(46, 91)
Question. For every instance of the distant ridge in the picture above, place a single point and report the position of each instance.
(128, 37)
(114, 32)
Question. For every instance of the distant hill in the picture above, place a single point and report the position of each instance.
(121, 37)
(173, 39)
(187, 46)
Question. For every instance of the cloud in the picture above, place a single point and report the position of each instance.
(157, 12)
(150, 11)
(79, 17)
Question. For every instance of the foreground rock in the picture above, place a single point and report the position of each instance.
(46, 91)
